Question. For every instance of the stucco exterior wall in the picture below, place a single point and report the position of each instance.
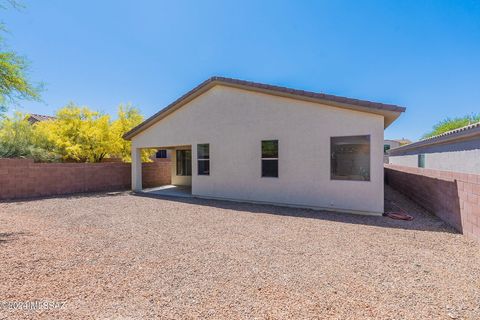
(456, 161)
(234, 121)
(456, 156)
(406, 160)
(459, 161)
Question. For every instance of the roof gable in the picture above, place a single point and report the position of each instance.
(389, 111)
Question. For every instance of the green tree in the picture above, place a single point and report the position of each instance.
(14, 82)
(451, 124)
(17, 139)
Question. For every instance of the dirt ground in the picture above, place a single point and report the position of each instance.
(122, 256)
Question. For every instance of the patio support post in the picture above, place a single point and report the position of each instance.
(136, 169)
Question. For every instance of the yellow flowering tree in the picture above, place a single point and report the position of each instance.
(77, 134)
(82, 135)
(127, 118)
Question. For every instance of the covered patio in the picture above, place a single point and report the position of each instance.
(180, 183)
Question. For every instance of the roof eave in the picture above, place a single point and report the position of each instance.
(389, 112)
(203, 87)
(460, 135)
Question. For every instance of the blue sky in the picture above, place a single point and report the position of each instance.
(424, 55)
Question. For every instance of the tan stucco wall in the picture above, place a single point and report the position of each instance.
(234, 122)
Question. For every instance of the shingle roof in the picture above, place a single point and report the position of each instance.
(466, 128)
(471, 129)
(272, 89)
(39, 117)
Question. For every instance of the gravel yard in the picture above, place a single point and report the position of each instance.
(123, 256)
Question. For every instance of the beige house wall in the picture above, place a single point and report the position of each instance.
(234, 121)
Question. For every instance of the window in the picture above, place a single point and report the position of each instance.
(184, 162)
(161, 154)
(421, 160)
(350, 158)
(270, 158)
(386, 147)
(203, 159)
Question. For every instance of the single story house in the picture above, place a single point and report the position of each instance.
(239, 140)
(390, 144)
(456, 150)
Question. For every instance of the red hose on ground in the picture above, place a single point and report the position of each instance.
(398, 216)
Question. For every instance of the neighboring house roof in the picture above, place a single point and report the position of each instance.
(389, 111)
(460, 133)
(404, 141)
(401, 141)
(38, 117)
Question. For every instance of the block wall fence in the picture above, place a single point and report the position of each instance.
(23, 178)
(453, 197)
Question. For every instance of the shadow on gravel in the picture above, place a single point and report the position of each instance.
(394, 201)
(9, 236)
(101, 194)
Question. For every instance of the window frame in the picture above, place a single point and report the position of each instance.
(386, 147)
(161, 154)
(332, 176)
(269, 158)
(203, 159)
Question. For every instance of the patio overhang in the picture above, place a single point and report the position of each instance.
(177, 177)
